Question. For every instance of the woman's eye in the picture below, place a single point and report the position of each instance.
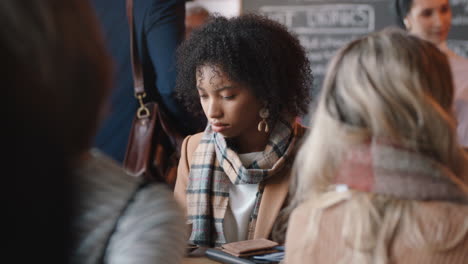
(426, 13)
(230, 97)
(203, 96)
(445, 9)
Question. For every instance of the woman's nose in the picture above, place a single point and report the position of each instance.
(437, 19)
(214, 110)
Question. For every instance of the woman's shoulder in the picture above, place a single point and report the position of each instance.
(302, 213)
(456, 61)
(191, 142)
(425, 211)
(194, 139)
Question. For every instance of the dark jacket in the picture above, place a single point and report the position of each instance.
(159, 29)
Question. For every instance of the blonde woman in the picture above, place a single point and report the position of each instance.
(381, 178)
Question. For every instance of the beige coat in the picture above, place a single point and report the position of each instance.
(274, 195)
(329, 245)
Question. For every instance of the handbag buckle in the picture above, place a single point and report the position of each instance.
(143, 111)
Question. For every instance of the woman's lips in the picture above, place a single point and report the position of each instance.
(218, 127)
(440, 33)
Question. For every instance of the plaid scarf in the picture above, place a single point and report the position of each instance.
(391, 170)
(215, 167)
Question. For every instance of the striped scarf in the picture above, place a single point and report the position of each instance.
(387, 169)
(215, 167)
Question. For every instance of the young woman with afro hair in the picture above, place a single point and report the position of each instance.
(251, 78)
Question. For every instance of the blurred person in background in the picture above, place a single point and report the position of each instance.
(67, 203)
(431, 21)
(159, 29)
(195, 17)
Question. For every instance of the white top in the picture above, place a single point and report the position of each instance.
(459, 67)
(241, 203)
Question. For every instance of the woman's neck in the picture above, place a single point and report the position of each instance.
(443, 47)
(255, 142)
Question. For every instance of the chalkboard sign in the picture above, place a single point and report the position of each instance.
(324, 26)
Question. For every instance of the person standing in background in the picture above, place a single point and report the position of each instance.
(159, 29)
(195, 17)
(431, 21)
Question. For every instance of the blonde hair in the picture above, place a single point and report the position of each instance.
(385, 85)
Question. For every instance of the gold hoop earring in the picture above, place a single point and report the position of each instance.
(263, 125)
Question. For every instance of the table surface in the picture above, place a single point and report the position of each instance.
(198, 257)
(198, 260)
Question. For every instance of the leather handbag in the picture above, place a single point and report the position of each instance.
(153, 149)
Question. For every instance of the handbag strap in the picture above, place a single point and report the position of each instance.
(139, 86)
(137, 69)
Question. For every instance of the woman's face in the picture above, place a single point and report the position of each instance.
(231, 109)
(429, 20)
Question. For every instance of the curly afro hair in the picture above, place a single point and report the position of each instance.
(254, 51)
